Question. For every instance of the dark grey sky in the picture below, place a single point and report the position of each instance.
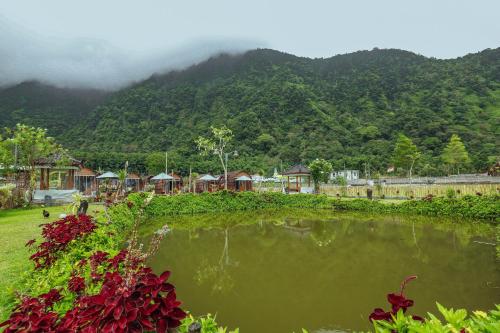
(93, 42)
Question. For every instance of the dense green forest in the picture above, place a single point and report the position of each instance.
(283, 109)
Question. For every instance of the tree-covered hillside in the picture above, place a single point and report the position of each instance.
(348, 109)
(42, 105)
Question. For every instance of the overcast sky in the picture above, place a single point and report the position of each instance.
(108, 43)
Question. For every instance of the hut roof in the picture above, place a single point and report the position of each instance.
(133, 176)
(243, 179)
(107, 175)
(208, 178)
(85, 172)
(298, 169)
(54, 159)
(232, 175)
(162, 176)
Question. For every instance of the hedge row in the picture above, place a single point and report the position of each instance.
(477, 207)
(228, 201)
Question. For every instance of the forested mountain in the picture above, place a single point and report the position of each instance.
(347, 108)
(42, 105)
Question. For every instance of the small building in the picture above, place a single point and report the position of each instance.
(206, 183)
(298, 179)
(347, 174)
(54, 175)
(168, 184)
(237, 181)
(133, 182)
(85, 181)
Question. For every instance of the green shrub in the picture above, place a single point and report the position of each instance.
(107, 238)
(450, 193)
(454, 321)
(229, 201)
(208, 325)
(478, 207)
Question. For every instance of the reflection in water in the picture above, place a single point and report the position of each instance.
(217, 275)
(280, 271)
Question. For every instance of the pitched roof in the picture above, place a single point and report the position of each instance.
(298, 169)
(85, 172)
(133, 176)
(231, 175)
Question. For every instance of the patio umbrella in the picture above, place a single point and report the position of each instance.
(108, 175)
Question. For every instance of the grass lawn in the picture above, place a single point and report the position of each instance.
(17, 226)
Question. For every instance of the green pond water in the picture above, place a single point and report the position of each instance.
(323, 271)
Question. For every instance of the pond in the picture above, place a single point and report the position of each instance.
(280, 271)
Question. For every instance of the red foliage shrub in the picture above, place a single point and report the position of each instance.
(398, 302)
(58, 235)
(34, 314)
(137, 302)
(131, 299)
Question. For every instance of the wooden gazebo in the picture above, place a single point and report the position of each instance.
(298, 178)
(85, 181)
(62, 174)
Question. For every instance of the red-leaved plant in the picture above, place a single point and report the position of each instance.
(398, 302)
(57, 235)
(34, 314)
(135, 301)
(131, 297)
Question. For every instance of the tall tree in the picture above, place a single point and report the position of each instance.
(454, 154)
(320, 172)
(217, 145)
(6, 153)
(32, 144)
(405, 154)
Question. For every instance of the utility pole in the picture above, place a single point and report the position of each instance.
(189, 182)
(166, 163)
(225, 173)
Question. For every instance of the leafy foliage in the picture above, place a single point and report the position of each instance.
(103, 293)
(57, 236)
(454, 154)
(478, 207)
(320, 172)
(228, 201)
(348, 109)
(405, 153)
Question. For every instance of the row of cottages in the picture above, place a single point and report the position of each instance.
(237, 181)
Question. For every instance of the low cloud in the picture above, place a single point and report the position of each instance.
(92, 63)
